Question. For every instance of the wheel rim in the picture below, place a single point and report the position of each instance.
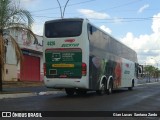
(70, 92)
(110, 88)
(102, 89)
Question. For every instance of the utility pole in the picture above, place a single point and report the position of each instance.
(60, 7)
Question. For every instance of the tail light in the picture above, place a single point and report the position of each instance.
(44, 68)
(84, 69)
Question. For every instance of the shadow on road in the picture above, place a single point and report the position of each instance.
(90, 94)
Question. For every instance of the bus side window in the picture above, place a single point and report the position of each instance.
(136, 69)
(139, 70)
(91, 30)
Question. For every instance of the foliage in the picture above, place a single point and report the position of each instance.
(151, 70)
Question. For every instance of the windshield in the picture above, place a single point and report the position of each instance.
(63, 28)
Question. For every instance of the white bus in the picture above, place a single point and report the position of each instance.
(79, 57)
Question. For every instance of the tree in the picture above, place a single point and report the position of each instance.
(12, 17)
(151, 70)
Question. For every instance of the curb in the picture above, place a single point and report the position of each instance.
(147, 83)
(16, 95)
(49, 92)
(20, 95)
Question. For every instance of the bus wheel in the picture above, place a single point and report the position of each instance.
(102, 90)
(110, 88)
(131, 88)
(69, 91)
(81, 92)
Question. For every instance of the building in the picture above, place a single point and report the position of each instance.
(31, 68)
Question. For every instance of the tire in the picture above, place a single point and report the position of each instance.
(131, 88)
(102, 90)
(110, 88)
(69, 91)
(81, 92)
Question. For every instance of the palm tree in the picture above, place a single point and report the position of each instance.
(12, 17)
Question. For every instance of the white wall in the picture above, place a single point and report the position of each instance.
(11, 63)
(25, 43)
(10, 72)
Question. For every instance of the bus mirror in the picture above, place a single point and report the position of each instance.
(140, 70)
(91, 30)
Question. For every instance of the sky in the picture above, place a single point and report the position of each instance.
(136, 23)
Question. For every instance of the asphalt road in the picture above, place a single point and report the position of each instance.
(143, 98)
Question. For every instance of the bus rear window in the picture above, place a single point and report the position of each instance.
(63, 28)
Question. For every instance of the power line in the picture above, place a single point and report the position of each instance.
(147, 49)
(63, 6)
(140, 18)
(111, 20)
(114, 7)
(133, 18)
(44, 16)
(122, 5)
(133, 10)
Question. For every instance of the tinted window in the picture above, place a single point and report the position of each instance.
(63, 29)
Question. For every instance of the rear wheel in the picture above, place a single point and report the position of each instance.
(131, 88)
(81, 92)
(69, 91)
(102, 90)
(110, 88)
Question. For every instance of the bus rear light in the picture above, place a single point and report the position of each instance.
(84, 69)
(44, 68)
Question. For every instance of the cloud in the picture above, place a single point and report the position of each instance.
(106, 29)
(156, 24)
(27, 0)
(28, 3)
(93, 14)
(118, 20)
(38, 28)
(143, 8)
(146, 46)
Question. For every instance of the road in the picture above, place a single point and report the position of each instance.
(142, 98)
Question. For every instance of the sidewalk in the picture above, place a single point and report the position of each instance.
(146, 80)
(22, 86)
(25, 89)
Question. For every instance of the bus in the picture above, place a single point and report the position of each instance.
(80, 57)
